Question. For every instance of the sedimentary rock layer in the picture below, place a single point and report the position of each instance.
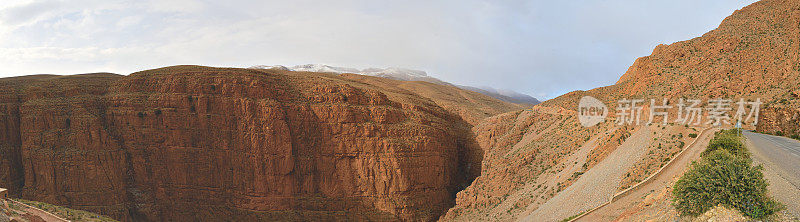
(200, 143)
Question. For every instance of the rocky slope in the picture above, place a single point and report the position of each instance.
(752, 54)
(202, 143)
(190, 143)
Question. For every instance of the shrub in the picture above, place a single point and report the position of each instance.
(693, 135)
(721, 178)
(728, 140)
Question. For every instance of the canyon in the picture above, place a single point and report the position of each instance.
(204, 143)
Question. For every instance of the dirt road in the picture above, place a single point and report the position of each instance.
(598, 184)
(35, 214)
(651, 200)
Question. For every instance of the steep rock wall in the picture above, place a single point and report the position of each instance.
(200, 143)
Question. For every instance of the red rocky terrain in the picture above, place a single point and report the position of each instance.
(201, 143)
(196, 143)
(532, 156)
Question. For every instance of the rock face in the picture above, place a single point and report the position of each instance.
(201, 143)
(54, 141)
(780, 120)
(754, 53)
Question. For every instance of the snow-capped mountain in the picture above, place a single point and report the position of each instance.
(394, 71)
(269, 67)
(505, 95)
(323, 68)
(407, 75)
(391, 72)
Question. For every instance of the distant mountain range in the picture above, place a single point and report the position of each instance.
(504, 95)
(409, 75)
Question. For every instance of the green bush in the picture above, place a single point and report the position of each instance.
(728, 140)
(721, 178)
(693, 135)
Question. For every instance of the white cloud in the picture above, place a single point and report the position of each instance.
(172, 6)
(538, 47)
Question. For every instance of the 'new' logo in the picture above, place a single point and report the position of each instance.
(591, 111)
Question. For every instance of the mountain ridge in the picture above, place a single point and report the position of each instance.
(408, 75)
(754, 53)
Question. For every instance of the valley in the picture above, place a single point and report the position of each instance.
(323, 143)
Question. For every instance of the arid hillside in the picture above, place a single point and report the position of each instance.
(199, 143)
(533, 156)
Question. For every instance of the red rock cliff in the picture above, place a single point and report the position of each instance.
(201, 143)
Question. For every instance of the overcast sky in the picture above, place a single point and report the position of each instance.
(542, 48)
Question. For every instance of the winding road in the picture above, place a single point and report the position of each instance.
(650, 200)
(780, 157)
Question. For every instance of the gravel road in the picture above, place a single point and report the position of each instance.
(597, 185)
(650, 201)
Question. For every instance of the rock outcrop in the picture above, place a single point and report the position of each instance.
(532, 155)
(201, 143)
(780, 120)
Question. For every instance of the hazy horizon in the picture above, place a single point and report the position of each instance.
(540, 48)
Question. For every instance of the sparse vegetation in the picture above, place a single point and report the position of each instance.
(572, 217)
(661, 151)
(724, 176)
(67, 213)
(728, 140)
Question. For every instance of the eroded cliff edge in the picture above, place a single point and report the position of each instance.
(191, 142)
